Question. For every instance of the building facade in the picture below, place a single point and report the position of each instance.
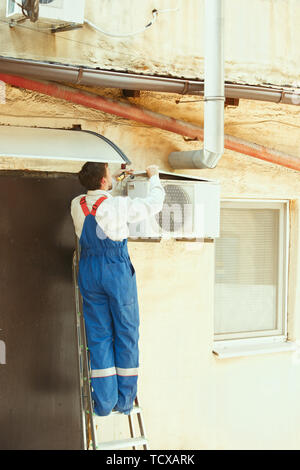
(192, 398)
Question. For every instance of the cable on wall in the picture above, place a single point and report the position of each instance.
(155, 14)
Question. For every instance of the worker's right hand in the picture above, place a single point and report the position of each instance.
(152, 170)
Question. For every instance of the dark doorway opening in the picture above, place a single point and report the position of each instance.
(39, 384)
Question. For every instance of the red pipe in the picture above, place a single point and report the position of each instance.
(107, 105)
(136, 113)
(263, 153)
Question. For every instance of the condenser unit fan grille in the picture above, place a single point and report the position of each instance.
(52, 3)
(46, 2)
(177, 209)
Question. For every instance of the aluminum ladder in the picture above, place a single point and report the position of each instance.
(89, 418)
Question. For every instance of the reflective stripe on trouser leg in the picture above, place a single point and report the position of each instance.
(126, 323)
(100, 373)
(99, 332)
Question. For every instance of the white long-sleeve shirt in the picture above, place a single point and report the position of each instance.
(116, 212)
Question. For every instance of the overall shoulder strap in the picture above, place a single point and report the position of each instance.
(97, 204)
(84, 206)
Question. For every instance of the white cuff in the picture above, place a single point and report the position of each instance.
(154, 179)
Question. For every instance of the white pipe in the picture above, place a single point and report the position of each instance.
(214, 94)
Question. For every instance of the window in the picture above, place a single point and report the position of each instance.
(251, 260)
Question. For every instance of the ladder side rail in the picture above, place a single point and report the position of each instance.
(141, 424)
(88, 386)
(79, 355)
(86, 366)
(131, 428)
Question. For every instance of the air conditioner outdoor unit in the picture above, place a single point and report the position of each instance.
(53, 11)
(191, 208)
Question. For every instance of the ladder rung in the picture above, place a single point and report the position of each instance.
(135, 410)
(133, 442)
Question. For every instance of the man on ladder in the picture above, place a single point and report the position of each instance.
(107, 282)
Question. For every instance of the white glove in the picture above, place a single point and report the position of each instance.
(152, 170)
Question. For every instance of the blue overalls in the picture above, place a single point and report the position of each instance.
(107, 283)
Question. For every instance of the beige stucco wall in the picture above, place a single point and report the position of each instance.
(261, 39)
(191, 399)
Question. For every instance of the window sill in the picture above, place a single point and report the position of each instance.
(223, 351)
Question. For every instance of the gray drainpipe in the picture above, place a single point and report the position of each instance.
(214, 95)
(131, 81)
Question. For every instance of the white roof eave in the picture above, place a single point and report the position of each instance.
(58, 144)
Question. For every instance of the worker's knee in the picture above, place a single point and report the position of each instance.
(126, 319)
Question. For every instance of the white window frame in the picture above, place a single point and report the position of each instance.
(252, 341)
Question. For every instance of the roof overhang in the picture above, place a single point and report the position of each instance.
(58, 144)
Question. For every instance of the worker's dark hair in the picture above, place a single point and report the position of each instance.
(91, 174)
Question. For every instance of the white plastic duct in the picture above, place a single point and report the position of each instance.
(214, 95)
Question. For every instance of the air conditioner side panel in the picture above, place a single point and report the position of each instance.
(207, 210)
